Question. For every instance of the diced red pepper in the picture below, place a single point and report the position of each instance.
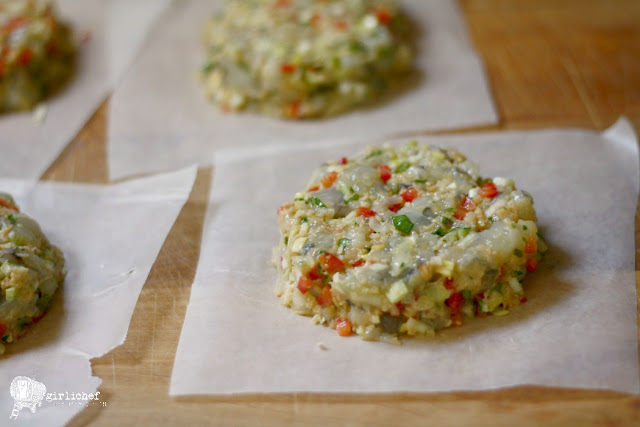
(325, 297)
(400, 306)
(13, 24)
(409, 195)
(288, 68)
(293, 110)
(2, 66)
(467, 205)
(7, 205)
(36, 319)
(343, 161)
(396, 207)
(315, 20)
(383, 16)
(330, 263)
(282, 3)
(316, 188)
(365, 212)
(25, 56)
(455, 302)
(327, 181)
(523, 300)
(315, 273)
(344, 327)
(501, 275)
(448, 283)
(531, 246)
(532, 265)
(341, 25)
(358, 263)
(304, 284)
(489, 190)
(3, 329)
(385, 173)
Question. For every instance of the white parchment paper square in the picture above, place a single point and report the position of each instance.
(578, 328)
(110, 236)
(161, 109)
(117, 29)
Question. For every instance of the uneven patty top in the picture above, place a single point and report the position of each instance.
(405, 240)
(303, 58)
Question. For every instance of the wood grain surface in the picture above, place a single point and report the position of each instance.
(550, 63)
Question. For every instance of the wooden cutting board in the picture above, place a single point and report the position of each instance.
(550, 63)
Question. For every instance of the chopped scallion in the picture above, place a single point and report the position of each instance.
(402, 223)
(439, 231)
(317, 202)
(403, 167)
(356, 196)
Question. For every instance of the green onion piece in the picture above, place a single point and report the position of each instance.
(11, 218)
(317, 202)
(356, 46)
(286, 240)
(208, 68)
(517, 252)
(419, 181)
(352, 198)
(402, 223)
(439, 231)
(304, 220)
(344, 241)
(445, 220)
(524, 227)
(461, 231)
(374, 153)
(403, 167)
(466, 294)
(448, 210)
